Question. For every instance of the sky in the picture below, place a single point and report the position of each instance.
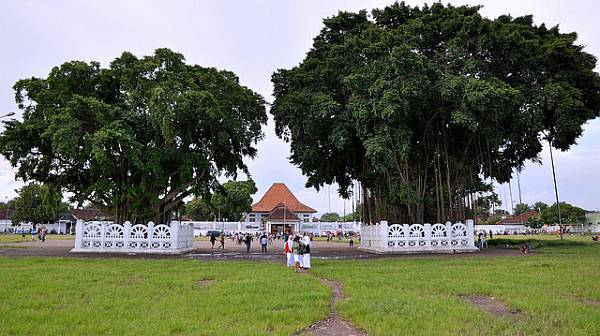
(253, 39)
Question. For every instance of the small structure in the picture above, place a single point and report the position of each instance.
(106, 237)
(418, 238)
(279, 211)
(6, 221)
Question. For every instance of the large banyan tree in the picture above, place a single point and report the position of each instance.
(136, 137)
(422, 106)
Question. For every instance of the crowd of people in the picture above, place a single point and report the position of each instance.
(297, 251)
(295, 247)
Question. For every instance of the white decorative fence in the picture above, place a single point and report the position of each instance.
(418, 238)
(106, 237)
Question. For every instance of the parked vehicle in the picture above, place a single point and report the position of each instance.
(213, 232)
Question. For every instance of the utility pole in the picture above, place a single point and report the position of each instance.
(519, 185)
(560, 229)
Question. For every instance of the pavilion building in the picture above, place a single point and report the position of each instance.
(280, 211)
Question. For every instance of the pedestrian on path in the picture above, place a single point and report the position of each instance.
(222, 241)
(212, 240)
(263, 243)
(248, 241)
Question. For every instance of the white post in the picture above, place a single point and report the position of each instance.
(427, 234)
(175, 235)
(470, 232)
(126, 234)
(79, 234)
(384, 230)
(102, 235)
(150, 234)
(449, 233)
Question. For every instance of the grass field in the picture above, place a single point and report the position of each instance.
(556, 289)
(17, 238)
(155, 297)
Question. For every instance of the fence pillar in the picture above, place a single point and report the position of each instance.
(175, 233)
(79, 226)
(384, 229)
(126, 234)
(150, 234)
(470, 232)
(427, 227)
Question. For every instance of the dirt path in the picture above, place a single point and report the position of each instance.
(334, 325)
(321, 250)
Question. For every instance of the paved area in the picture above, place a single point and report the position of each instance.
(203, 250)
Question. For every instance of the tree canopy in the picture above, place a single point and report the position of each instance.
(229, 201)
(37, 203)
(569, 214)
(136, 137)
(233, 199)
(426, 106)
(330, 217)
(521, 208)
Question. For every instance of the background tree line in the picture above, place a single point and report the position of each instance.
(426, 107)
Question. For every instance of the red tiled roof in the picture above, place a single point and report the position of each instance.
(519, 219)
(279, 193)
(87, 214)
(281, 213)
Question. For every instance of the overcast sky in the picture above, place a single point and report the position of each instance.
(253, 38)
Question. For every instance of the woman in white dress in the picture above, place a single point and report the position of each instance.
(306, 257)
(287, 249)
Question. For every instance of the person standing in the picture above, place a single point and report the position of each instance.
(287, 250)
(43, 234)
(32, 231)
(222, 241)
(295, 250)
(212, 240)
(490, 234)
(263, 243)
(248, 241)
(306, 256)
(301, 250)
(351, 241)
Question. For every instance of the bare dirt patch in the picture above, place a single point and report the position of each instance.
(204, 282)
(591, 302)
(334, 325)
(493, 306)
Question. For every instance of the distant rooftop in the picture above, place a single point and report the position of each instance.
(280, 194)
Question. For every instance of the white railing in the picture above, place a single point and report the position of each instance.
(405, 238)
(106, 237)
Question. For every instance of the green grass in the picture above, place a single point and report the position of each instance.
(17, 238)
(54, 296)
(538, 241)
(421, 296)
(390, 296)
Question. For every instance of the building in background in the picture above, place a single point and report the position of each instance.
(279, 211)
